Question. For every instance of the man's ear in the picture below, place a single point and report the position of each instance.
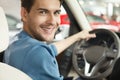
(23, 14)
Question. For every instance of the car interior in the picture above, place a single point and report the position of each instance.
(86, 66)
(7, 72)
(82, 56)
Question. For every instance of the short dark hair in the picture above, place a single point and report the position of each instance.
(27, 4)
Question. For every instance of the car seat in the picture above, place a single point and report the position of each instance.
(8, 72)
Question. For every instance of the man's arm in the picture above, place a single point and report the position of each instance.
(65, 43)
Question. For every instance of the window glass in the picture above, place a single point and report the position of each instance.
(102, 14)
(63, 30)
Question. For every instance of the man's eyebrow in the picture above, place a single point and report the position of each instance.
(59, 10)
(42, 9)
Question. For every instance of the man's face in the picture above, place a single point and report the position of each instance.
(43, 19)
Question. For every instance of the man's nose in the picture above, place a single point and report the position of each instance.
(52, 19)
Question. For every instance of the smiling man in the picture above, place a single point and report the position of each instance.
(44, 18)
(31, 50)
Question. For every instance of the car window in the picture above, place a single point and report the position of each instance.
(14, 25)
(13, 22)
(101, 15)
(96, 16)
(93, 18)
(64, 26)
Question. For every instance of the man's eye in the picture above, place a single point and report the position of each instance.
(42, 12)
(57, 12)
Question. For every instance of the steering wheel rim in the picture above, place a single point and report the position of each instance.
(105, 57)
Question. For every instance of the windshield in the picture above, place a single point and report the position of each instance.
(102, 15)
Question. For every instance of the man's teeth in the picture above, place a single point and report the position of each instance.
(48, 29)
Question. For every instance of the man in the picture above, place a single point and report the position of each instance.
(29, 50)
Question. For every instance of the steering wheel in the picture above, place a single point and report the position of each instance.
(94, 59)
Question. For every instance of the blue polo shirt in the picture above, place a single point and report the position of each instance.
(35, 58)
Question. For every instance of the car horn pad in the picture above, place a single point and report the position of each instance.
(94, 59)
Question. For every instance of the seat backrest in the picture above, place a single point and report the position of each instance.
(4, 36)
(8, 72)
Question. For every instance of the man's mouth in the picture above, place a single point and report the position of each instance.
(48, 30)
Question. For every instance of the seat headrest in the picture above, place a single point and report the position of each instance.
(4, 34)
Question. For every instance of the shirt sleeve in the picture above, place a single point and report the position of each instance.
(53, 48)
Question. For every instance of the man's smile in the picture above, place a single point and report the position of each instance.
(48, 30)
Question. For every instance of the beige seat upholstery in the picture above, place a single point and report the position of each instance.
(4, 39)
(8, 72)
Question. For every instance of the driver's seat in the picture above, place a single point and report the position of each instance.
(8, 72)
